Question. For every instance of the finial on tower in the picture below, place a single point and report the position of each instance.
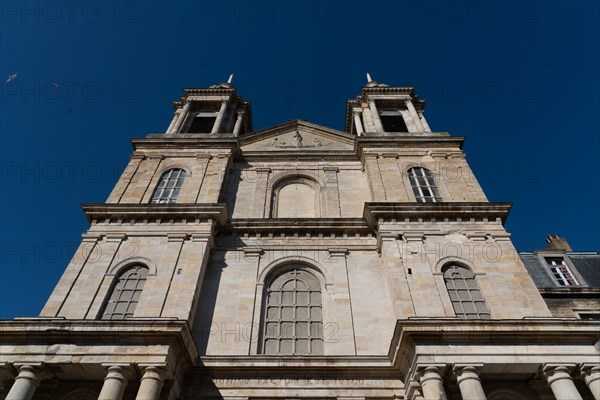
(369, 77)
(230, 80)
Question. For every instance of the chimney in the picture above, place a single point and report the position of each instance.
(555, 242)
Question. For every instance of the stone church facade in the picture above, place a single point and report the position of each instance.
(298, 261)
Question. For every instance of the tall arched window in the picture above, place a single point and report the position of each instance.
(423, 185)
(125, 293)
(169, 186)
(293, 314)
(464, 293)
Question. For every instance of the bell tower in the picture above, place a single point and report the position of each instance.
(214, 110)
(380, 108)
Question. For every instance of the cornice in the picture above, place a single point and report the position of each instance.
(570, 292)
(402, 141)
(148, 331)
(322, 366)
(373, 212)
(187, 142)
(294, 225)
(538, 332)
(216, 211)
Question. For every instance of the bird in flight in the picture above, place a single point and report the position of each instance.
(11, 78)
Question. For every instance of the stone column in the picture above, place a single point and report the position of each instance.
(182, 116)
(173, 121)
(151, 383)
(217, 126)
(114, 384)
(414, 115)
(591, 376)
(432, 384)
(467, 377)
(375, 114)
(560, 381)
(238, 123)
(26, 382)
(358, 123)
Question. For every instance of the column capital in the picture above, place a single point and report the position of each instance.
(425, 372)
(370, 156)
(33, 371)
(430, 379)
(156, 372)
(119, 371)
(177, 237)
(137, 156)
(555, 372)
(262, 170)
(253, 251)
(465, 372)
(338, 251)
(590, 372)
(203, 157)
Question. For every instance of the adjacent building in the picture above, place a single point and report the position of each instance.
(300, 261)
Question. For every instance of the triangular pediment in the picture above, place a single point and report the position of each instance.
(297, 136)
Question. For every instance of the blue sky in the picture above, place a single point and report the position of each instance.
(520, 80)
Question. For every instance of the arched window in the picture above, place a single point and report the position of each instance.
(293, 314)
(423, 185)
(464, 293)
(169, 186)
(125, 293)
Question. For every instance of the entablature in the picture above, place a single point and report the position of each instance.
(126, 213)
(373, 212)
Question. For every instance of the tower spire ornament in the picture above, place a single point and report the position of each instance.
(230, 79)
(369, 79)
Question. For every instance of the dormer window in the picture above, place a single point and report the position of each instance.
(203, 122)
(560, 271)
(392, 121)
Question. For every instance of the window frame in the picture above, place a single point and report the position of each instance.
(162, 185)
(560, 280)
(311, 338)
(429, 184)
(468, 275)
(117, 288)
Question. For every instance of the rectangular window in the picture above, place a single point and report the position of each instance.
(392, 121)
(561, 271)
(202, 122)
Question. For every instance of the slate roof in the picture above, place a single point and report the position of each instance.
(587, 265)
